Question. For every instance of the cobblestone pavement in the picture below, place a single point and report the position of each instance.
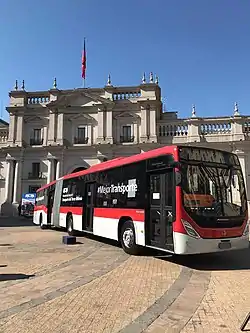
(95, 287)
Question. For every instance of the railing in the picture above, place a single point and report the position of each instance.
(124, 139)
(215, 127)
(4, 136)
(39, 175)
(36, 142)
(82, 141)
(38, 99)
(246, 128)
(121, 95)
(175, 129)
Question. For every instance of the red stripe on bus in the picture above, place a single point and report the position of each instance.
(73, 210)
(117, 213)
(41, 207)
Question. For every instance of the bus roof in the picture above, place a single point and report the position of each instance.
(116, 162)
(119, 161)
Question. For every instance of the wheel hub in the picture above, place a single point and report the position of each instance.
(128, 237)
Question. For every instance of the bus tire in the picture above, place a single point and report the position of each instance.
(70, 226)
(127, 238)
(42, 226)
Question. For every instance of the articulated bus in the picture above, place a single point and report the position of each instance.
(178, 199)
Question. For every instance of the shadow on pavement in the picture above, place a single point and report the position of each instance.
(7, 277)
(16, 222)
(2, 266)
(235, 260)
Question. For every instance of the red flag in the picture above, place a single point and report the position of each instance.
(84, 59)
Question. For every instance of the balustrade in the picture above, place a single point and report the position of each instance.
(246, 128)
(126, 95)
(38, 100)
(205, 127)
(212, 127)
(173, 129)
(3, 136)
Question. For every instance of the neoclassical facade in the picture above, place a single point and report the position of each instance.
(54, 132)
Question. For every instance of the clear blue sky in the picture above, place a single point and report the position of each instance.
(199, 48)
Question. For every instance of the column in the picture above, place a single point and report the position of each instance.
(109, 126)
(9, 181)
(49, 174)
(45, 135)
(58, 169)
(51, 132)
(19, 135)
(17, 182)
(60, 123)
(144, 125)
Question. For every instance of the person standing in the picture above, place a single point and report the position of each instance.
(19, 209)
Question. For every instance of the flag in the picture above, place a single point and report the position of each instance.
(84, 58)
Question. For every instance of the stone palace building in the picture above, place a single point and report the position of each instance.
(55, 132)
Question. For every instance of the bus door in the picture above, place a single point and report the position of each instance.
(88, 206)
(162, 209)
(50, 202)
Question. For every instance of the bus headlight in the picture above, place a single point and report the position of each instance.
(246, 230)
(190, 230)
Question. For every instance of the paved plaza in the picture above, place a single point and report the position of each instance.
(95, 287)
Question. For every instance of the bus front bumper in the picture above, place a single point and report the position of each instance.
(184, 244)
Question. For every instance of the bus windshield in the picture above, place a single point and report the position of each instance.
(210, 192)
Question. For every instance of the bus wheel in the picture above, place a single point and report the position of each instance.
(42, 226)
(70, 227)
(128, 238)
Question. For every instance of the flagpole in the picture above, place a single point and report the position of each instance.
(84, 63)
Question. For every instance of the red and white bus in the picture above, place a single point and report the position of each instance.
(179, 199)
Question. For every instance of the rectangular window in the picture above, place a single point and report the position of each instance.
(72, 192)
(40, 199)
(81, 135)
(127, 134)
(36, 169)
(36, 138)
(35, 173)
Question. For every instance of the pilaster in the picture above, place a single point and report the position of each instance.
(19, 130)
(100, 138)
(60, 129)
(12, 129)
(144, 123)
(51, 131)
(109, 126)
(152, 126)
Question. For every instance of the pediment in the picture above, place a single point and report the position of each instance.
(81, 117)
(80, 98)
(127, 115)
(33, 119)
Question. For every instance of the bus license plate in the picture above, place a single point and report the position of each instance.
(224, 245)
